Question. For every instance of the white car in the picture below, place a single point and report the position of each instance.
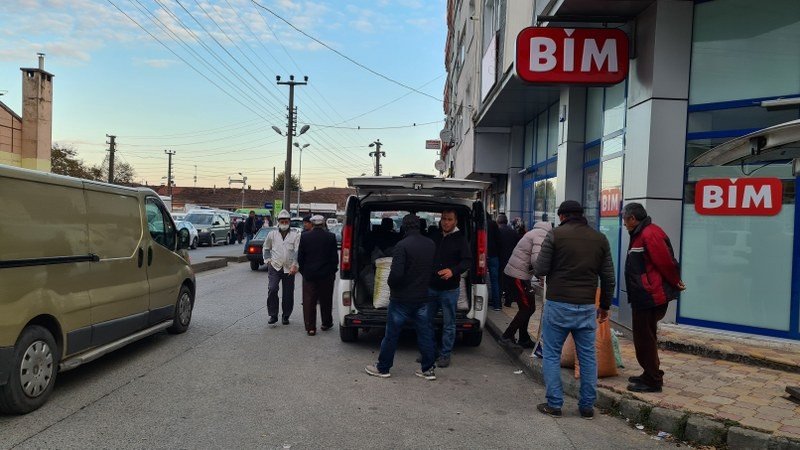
(331, 222)
(194, 236)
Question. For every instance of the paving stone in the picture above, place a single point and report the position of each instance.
(634, 410)
(669, 420)
(760, 424)
(741, 438)
(781, 443)
(704, 431)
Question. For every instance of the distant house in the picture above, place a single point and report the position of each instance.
(26, 141)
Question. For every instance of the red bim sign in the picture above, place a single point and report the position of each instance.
(593, 56)
(738, 197)
(610, 200)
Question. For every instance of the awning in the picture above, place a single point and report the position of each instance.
(779, 142)
(515, 102)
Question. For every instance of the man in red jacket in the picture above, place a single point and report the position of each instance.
(653, 279)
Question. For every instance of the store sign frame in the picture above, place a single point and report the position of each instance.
(738, 197)
(586, 56)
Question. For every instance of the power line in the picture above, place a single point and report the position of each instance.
(377, 128)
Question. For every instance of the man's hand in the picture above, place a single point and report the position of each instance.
(445, 274)
(293, 270)
(602, 315)
(681, 286)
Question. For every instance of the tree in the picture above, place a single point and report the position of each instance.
(277, 185)
(64, 161)
(123, 172)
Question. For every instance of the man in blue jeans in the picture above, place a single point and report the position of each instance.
(412, 263)
(573, 257)
(493, 259)
(453, 258)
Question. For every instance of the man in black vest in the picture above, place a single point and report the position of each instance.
(317, 260)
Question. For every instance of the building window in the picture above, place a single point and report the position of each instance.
(594, 114)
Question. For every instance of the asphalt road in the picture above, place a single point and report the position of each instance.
(232, 381)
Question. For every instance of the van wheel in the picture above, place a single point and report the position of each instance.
(254, 265)
(472, 339)
(33, 372)
(183, 311)
(348, 334)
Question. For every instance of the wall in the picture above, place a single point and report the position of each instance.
(10, 138)
(37, 116)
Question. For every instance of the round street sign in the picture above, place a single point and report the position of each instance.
(440, 165)
(446, 135)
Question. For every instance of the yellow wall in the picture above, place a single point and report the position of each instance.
(10, 159)
(35, 164)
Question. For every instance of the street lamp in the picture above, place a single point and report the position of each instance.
(300, 170)
(287, 177)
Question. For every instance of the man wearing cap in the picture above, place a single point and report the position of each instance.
(280, 252)
(307, 224)
(573, 257)
(317, 261)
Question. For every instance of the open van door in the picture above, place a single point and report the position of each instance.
(418, 184)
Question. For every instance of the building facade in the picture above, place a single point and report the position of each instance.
(26, 141)
(699, 73)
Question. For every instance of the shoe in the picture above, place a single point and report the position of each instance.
(311, 332)
(509, 343)
(641, 387)
(272, 319)
(497, 309)
(428, 374)
(372, 370)
(636, 379)
(544, 408)
(443, 361)
(527, 344)
(326, 327)
(507, 304)
(587, 413)
(285, 321)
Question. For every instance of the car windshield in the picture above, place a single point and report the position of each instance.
(200, 219)
(262, 233)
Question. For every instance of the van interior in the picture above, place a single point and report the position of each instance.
(377, 231)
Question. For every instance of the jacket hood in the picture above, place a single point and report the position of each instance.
(543, 226)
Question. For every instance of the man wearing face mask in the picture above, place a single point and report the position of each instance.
(280, 252)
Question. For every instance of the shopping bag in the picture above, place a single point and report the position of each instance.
(604, 349)
(382, 268)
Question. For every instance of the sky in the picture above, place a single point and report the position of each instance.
(197, 77)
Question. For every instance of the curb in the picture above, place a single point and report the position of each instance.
(236, 259)
(216, 263)
(693, 427)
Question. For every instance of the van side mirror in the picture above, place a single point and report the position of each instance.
(216, 222)
(183, 239)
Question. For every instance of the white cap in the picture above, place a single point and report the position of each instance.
(284, 214)
(317, 219)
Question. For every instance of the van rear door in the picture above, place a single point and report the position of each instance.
(347, 261)
(419, 184)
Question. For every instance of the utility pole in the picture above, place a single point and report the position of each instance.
(273, 174)
(377, 154)
(195, 175)
(169, 171)
(290, 133)
(112, 147)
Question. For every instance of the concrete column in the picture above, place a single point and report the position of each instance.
(569, 168)
(37, 115)
(514, 193)
(655, 142)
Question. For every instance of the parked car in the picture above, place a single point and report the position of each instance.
(194, 236)
(86, 268)
(337, 231)
(212, 226)
(177, 217)
(256, 246)
(419, 194)
(296, 222)
(331, 222)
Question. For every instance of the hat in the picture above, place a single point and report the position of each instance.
(307, 218)
(317, 219)
(284, 214)
(570, 207)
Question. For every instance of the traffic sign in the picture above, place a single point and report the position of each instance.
(267, 205)
(433, 144)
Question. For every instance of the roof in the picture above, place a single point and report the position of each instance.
(11, 111)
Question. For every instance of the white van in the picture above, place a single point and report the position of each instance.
(85, 268)
(382, 199)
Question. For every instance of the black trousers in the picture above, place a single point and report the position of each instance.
(645, 341)
(275, 278)
(520, 291)
(318, 292)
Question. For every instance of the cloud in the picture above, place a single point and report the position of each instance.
(157, 63)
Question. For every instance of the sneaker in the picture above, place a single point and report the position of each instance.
(587, 413)
(428, 374)
(272, 319)
(326, 327)
(546, 409)
(372, 370)
(443, 361)
(636, 379)
(641, 387)
(509, 343)
(285, 321)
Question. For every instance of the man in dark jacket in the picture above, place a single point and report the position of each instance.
(409, 276)
(653, 280)
(453, 258)
(249, 229)
(507, 240)
(573, 257)
(493, 259)
(317, 260)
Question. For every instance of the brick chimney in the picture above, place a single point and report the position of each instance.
(37, 117)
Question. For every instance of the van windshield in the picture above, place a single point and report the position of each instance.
(199, 219)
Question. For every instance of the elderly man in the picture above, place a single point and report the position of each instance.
(317, 261)
(280, 252)
(573, 257)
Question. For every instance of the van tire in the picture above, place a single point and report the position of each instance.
(348, 334)
(254, 265)
(36, 342)
(472, 339)
(183, 311)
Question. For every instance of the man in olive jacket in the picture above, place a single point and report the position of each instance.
(573, 257)
(409, 277)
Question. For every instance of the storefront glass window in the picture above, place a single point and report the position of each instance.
(614, 109)
(594, 114)
(741, 50)
(528, 148)
(544, 201)
(541, 137)
(591, 192)
(613, 145)
(610, 200)
(738, 269)
(552, 130)
(591, 153)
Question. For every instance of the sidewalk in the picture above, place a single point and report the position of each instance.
(734, 392)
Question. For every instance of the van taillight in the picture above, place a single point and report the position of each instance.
(347, 248)
(481, 269)
(346, 298)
